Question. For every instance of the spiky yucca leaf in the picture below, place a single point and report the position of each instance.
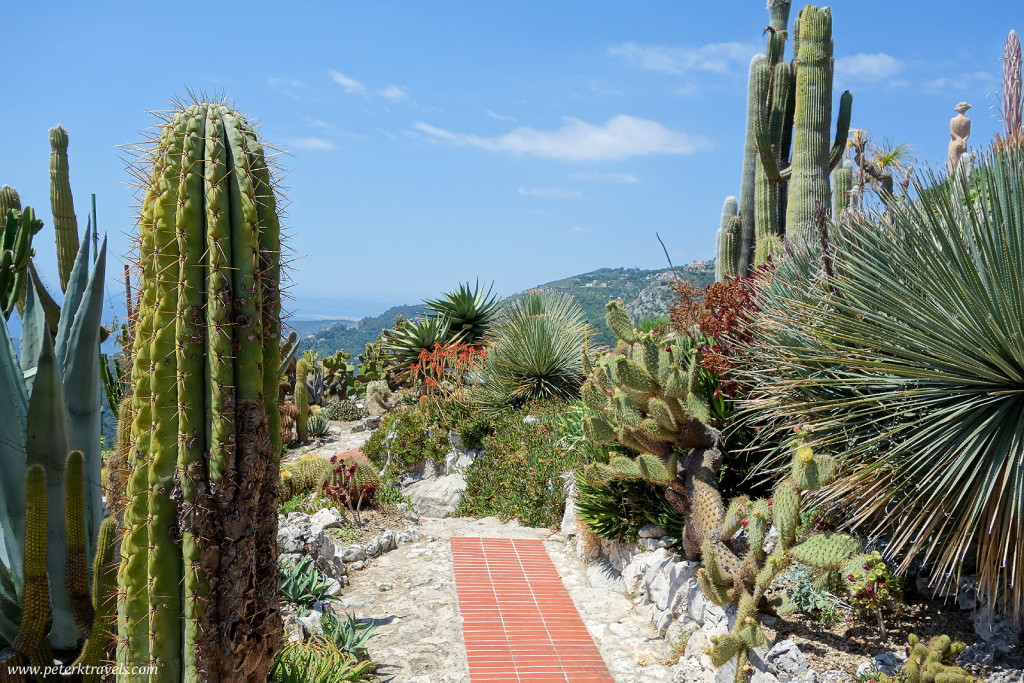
(469, 312)
(534, 351)
(405, 342)
(908, 364)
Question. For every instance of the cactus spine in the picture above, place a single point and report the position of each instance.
(201, 517)
(788, 116)
(65, 224)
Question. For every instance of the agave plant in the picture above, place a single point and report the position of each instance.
(404, 342)
(534, 351)
(469, 312)
(908, 362)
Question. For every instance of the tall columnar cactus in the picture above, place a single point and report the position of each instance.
(302, 399)
(65, 224)
(842, 186)
(198, 579)
(730, 242)
(788, 117)
(1013, 93)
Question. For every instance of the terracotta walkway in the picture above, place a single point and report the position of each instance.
(518, 619)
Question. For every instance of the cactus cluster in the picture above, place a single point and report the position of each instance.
(198, 579)
(787, 155)
(17, 228)
(739, 571)
(934, 662)
(306, 473)
(647, 398)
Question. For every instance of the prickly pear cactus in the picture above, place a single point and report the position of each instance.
(648, 400)
(198, 580)
(742, 578)
(931, 663)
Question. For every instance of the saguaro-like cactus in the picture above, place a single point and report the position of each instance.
(788, 119)
(65, 223)
(201, 517)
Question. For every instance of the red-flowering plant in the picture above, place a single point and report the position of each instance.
(347, 487)
(442, 372)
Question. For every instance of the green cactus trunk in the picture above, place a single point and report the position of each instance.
(200, 519)
(842, 184)
(65, 224)
(302, 400)
(729, 243)
(809, 182)
(745, 243)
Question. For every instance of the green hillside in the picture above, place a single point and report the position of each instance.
(644, 292)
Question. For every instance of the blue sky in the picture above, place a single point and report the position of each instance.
(433, 142)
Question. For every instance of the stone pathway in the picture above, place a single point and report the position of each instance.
(410, 595)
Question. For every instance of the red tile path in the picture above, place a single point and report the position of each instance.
(519, 621)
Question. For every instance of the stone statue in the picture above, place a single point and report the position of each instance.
(959, 131)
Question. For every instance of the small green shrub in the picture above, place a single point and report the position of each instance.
(343, 410)
(518, 474)
(307, 502)
(317, 662)
(618, 511)
(317, 425)
(349, 636)
(415, 438)
(473, 430)
(304, 585)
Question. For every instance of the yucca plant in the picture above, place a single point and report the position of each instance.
(404, 342)
(534, 352)
(907, 362)
(469, 312)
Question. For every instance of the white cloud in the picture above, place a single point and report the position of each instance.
(579, 229)
(351, 85)
(499, 117)
(599, 88)
(392, 92)
(557, 192)
(310, 143)
(714, 57)
(620, 137)
(614, 177)
(974, 81)
(870, 68)
(395, 93)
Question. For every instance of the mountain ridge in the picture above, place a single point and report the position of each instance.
(645, 293)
